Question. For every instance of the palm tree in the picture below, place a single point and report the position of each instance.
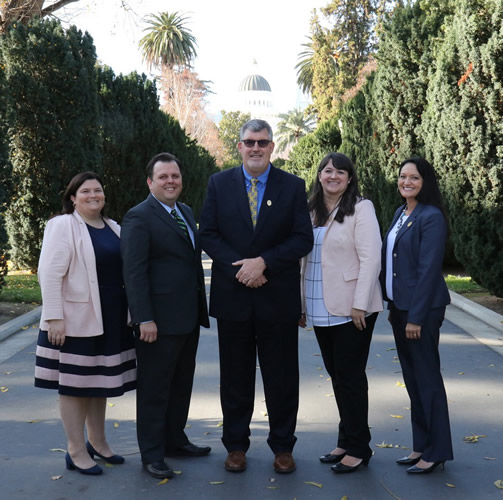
(168, 42)
(304, 68)
(293, 125)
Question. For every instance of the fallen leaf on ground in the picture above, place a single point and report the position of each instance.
(318, 485)
(461, 373)
(273, 487)
(216, 482)
(491, 365)
(450, 485)
(489, 458)
(108, 464)
(344, 497)
(177, 472)
(116, 424)
(272, 480)
(220, 424)
(55, 478)
(309, 329)
(4, 389)
(188, 426)
(474, 438)
(316, 354)
(111, 404)
(58, 449)
(8, 373)
(397, 416)
(400, 384)
(264, 413)
(206, 433)
(391, 349)
(384, 445)
(378, 355)
(36, 421)
(330, 395)
(24, 327)
(499, 484)
(164, 481)
(319, 368)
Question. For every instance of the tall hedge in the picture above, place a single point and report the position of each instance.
(463, 132)
(133, 130)
(53, 122)
(5, 175)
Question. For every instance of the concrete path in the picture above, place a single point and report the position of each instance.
(32, 438)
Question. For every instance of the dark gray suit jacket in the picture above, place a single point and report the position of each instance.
(162, 271)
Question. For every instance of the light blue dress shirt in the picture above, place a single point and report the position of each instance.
(261, 184)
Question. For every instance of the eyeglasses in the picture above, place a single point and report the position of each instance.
(263, 143)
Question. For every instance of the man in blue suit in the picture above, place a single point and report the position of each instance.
(255, 226)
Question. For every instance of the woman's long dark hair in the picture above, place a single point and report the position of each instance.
(350, 197)
(430, 192)
(73, 187)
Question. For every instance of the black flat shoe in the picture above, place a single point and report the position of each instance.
(408, 461)
(189, 450)
(346, 469)
(159, 470)
(114, 459)
(431, 468)
(331, 459)
(95, 470)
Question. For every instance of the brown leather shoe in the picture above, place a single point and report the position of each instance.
(284, 463)
(236, 461)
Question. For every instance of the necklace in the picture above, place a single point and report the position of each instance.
(400, 220)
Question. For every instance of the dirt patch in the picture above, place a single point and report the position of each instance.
(11, 310)
(490, 301)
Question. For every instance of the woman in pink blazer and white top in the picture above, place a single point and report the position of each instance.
(341, 297)
(85, 348)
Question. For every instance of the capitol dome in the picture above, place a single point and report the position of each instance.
(254, 83)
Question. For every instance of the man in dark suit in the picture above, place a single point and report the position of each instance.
(166, 296)
(255, 226)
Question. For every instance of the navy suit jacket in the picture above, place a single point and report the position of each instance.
(162, 270)
(418, 255)
(283, 235)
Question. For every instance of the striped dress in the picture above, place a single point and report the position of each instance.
(100, 366)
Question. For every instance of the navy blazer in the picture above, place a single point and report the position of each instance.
(162, 270)
(418, 255)
(282, 236)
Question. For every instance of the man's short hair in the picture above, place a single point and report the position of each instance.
(165, 158)
(255, 126)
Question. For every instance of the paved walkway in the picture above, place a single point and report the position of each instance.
(32, 438)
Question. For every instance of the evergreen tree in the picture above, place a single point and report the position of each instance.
(463, 132)
(228, 132)
(5, 176)
(50, 76)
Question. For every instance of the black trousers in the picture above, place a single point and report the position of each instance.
(165, 375)
(420, 362)
(345, 351)
(277, 348)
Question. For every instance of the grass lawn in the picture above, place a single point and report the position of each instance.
(24, 287)
(21, 287)
(464, 285)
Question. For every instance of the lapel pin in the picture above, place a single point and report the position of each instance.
(269, 203)
(409, 224)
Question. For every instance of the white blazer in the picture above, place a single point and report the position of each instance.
(351, 262)
(68, 278)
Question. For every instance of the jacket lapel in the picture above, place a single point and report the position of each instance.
(239, 186)
(411, 220)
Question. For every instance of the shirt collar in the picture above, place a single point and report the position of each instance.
(261, 178)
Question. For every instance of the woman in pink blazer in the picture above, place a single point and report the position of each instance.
(341, 298)
(85, 348)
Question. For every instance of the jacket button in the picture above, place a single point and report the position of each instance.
(394, 274)
(394, 255)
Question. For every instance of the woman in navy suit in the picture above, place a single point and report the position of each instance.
(413, 285)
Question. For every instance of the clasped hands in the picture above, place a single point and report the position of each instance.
(251, 273)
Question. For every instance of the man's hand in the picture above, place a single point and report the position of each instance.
(148, 332)
(56, 332)
(412, 331)
(251, 273)
(302, 320)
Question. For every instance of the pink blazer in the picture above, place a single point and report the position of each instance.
(68, 278)
(351, 262)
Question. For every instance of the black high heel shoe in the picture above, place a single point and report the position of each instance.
(95, 470)
(332, 459)
(114, 459)
(408, 461)
(341, 468)
(417, 470)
